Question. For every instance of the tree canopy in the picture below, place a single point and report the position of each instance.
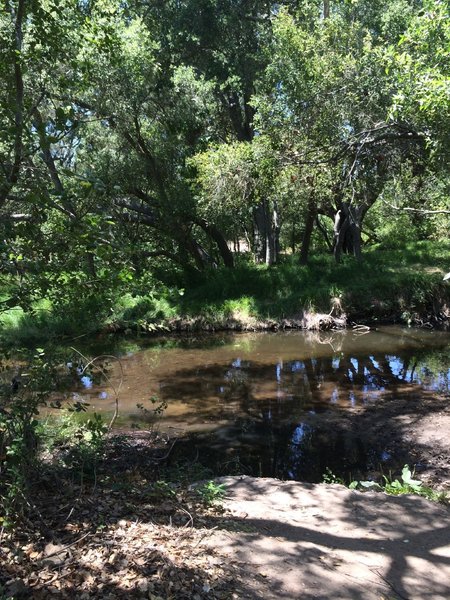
(141, 139)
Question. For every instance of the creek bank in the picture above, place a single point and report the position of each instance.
(127, 535)
(293, 540)
(308, 321)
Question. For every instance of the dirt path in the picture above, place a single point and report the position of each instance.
(294, 540)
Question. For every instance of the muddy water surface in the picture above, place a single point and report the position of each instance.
(271, 403)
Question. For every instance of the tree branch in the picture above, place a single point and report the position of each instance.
(16, 218)
(50, 162)
(131, 217)
(423, 211)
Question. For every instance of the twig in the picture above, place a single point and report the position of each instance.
(64, 548)
(203, 537)
(79, 336)
(191, 519)
(422, 211)
(70, 513)
(168, 453)
(393, 588)
(116, 391)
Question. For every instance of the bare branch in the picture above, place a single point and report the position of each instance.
(16, 218)
(423, 211)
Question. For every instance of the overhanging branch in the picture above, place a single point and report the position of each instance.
(423, 211)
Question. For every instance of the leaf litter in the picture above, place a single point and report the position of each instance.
(114, 538)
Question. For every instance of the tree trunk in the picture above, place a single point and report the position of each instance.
(90, 263)
(266, 233)
(321, 227)
(306, 240)
(273, 237)
(200, 256)
(215, 233)
(259, 227)
(347, 231)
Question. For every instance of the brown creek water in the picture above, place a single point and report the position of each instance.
(269, 404)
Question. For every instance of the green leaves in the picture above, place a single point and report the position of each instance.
(419, 64)
(396, 487)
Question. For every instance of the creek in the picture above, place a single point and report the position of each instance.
(287, 404)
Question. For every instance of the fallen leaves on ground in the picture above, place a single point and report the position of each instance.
(132, 542)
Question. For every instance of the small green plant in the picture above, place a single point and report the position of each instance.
(405, 485)
(95, 430)
(19, 436)
(160, 491)
(211, 493)
(159, 406)
(86, 447)
(330, 477)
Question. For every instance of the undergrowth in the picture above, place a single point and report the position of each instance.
(388, 284)
(405, 485)
(393, 487)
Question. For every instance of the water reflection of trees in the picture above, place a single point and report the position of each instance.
(284, 389)
(332, 369)
(274, 411)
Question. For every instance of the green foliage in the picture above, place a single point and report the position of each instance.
(157, 408)
(420, 63)
(383, 286)
(156, 306)
(44, 323)
(159, 491)
(20, 402)
(85, 445)
(138, 141)
(406, 278)
(211, 493)
(331, 478)
(405, 485)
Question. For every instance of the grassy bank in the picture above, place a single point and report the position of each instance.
(385, 285)
(401, 285)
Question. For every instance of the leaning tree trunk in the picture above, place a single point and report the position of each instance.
(215, 233)
(196, 251)
(347, 231)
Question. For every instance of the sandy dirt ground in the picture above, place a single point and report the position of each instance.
(294, 540)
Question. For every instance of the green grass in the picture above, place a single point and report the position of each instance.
(385, 285)
(43, 324)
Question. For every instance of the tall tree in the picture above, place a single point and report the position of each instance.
(325, 104)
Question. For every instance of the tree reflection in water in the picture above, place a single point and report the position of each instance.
(275, 402)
